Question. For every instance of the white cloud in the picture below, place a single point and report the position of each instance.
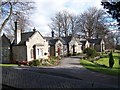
(47, 8)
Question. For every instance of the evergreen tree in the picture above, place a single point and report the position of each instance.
(111, 60)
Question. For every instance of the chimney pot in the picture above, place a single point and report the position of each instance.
(52, 33)
(17, 33)
(34, 29)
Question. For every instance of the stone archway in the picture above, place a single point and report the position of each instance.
(59, 49)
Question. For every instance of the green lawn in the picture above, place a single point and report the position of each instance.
(105, 61)
(8, 65)
(99, 65)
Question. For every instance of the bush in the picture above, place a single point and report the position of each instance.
(78, 53)
(53, 57)
(111, 60)
(34, 63)
(90, 52)
(74, 54)
(97, 54)
(30, 63)
(69, 54)
(51, 61)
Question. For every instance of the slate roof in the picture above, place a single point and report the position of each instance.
(83, 42)
(95, 41)
(48, 38)
(5, 41)
(67, 39)
(54, 40)
(11, 38)
(24, 37)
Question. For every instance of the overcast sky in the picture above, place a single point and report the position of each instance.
(45, 9)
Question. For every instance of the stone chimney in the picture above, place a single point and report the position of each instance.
(52, 33)
(34, 29)
(17, 33)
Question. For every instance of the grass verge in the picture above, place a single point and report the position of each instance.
(102, 65)
(8, 65)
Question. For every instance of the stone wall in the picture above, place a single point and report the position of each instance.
(19, 53)
(5, 54)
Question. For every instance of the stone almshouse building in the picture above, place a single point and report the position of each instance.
(32, 45)
(29, 45)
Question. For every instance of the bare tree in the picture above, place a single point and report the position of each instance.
(117, 38)
(61, 23)
(66, 22)
(56, 24)
(91, 23)
(11, 10)
(73, 24)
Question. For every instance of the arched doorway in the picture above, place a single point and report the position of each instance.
(59, 47)
(73, 49)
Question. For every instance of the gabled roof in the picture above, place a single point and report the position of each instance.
(5, 41)
(64, 40)
(53, 41)
(67, 39)
(83, 42)
(24, 37)
(48, 38)
(95, 41)
(11, 38)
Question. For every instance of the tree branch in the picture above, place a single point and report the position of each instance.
(6, 20)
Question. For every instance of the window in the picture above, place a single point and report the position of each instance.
(41, 52)
(38, 51)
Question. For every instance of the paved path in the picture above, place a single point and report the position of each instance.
(69, 74)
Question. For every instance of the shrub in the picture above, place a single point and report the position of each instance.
(30, 63)
(78, 53)
(51, 61)
(74, 54)
(34, 63)
(54, 57)
(69, 54)
(90, 52)
(97, 54)
(111, 60)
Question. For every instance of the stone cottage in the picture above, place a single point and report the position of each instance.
(63, 45)
(56, 46)
(85, 44)
(6, 49)
(73, 44)
(29, 45)
(97, 44)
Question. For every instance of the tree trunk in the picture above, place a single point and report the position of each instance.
(6, 20)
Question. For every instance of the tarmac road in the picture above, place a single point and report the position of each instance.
(68, 74)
